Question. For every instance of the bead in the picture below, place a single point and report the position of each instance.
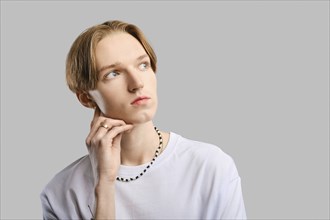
(158, 150)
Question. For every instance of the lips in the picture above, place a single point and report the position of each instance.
(139, 100)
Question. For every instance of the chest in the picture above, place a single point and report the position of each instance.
(162, 198)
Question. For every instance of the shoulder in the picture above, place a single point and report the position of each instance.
(201, 150)
(72, 187)
(77, 173)
(206, 155)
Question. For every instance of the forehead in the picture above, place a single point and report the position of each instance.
(118, 47)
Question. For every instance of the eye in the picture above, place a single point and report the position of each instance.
(144, 66)
(111, 75)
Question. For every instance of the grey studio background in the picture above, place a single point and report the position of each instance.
(249, 76)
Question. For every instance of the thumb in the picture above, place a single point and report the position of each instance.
(117, 141)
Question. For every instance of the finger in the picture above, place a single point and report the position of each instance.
(116, 147)
(113, 133)
(117, 140)
(103, 139)
(94, 138)
(98, 131)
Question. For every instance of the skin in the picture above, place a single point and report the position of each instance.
(130, 138)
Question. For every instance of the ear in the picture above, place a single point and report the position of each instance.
(85, 99)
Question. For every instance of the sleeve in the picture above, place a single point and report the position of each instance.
(223, 188)
(233, 201)
(232, 196)
(47, 210)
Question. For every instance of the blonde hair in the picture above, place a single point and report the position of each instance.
(81, 72)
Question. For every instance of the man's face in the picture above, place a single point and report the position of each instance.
(125, 74)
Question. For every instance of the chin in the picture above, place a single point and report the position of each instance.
(140, 118)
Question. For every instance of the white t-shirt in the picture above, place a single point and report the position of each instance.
(189, 180)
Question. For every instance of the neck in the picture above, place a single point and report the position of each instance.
(139, 145)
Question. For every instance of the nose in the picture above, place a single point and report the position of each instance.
(135, 82)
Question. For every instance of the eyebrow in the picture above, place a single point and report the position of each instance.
(118, 63)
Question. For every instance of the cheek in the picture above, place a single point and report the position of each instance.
(153, 81)
(110, 103)
(100, 99)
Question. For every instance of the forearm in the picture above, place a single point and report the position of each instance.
(105, 200)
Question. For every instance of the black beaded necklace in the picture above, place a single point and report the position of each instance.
(158, 150)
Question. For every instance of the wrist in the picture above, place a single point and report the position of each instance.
(104, 187)
(105, 200)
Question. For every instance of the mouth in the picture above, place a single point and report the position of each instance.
(140, 100)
